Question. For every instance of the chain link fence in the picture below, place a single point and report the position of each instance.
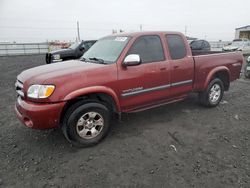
(218, 45)
(11, 49)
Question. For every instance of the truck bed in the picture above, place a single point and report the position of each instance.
(205, 63)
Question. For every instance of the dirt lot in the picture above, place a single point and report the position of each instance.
(212, 145)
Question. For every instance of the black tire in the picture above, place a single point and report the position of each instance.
(75, 112)
(204, 97)
(48, 58)
(247, 73)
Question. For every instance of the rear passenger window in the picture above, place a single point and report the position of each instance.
(176, 46)
(149, 48)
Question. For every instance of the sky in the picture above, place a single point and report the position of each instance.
(42, 20)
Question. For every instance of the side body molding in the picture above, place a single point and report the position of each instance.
(94, 89)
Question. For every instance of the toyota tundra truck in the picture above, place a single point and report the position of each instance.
(122, 73)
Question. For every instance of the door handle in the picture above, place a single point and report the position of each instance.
(176, 66)
(163, 68)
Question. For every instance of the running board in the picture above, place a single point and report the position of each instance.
(153, 106)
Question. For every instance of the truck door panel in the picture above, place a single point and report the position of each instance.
(148, 82)
(181, 66)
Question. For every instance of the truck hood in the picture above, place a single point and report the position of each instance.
(46, 74)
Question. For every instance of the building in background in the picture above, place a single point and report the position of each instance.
(242, 32)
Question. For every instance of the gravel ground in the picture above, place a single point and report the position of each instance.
(178, 145)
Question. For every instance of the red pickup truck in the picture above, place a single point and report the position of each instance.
(127, 72)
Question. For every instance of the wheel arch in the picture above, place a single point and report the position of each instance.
(222, 73)
(101, 94)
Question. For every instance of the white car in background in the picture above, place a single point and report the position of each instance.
(242, 45)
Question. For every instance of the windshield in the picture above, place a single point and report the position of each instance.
(107, 49)
(237, 43)
(74, 46)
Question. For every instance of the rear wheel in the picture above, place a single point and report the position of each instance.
(213, 94)
(86, 123)
(247, 72)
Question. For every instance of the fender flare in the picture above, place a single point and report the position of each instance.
(213, 72)
(92, 90)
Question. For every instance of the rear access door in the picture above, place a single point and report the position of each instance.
(181, 65)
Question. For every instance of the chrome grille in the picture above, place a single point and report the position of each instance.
(19, 88)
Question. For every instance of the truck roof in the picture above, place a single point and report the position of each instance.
(135, 34)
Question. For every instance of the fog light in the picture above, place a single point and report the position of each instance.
(28, 122)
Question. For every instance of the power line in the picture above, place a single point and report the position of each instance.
(53, 28)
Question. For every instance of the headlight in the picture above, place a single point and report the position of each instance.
(56, 56)
(40, 91)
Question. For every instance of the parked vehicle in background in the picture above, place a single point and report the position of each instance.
(126, 72)
(247, 69)
(242, 45)
(75, 51)
(200, 46)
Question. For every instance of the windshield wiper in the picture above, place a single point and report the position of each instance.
(97, 59)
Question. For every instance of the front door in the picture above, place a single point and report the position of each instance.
(148, 82)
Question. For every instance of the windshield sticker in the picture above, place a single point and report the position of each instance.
(121, 39)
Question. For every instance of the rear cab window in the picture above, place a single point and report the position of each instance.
(149, 48)
(176, 46)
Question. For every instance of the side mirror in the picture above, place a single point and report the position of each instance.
(82, 48)
(132, 60)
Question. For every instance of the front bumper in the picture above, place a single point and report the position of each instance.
(38, 115)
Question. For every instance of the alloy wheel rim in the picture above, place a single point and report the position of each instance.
(90, 125)
(215, 93)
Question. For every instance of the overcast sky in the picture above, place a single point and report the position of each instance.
(41, 20)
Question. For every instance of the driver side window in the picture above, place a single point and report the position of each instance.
(149, 48)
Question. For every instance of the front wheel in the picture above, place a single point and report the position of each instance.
(86, 124)
(213, 94)
(48, 58)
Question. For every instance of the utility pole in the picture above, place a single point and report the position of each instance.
(141, 27)
(78, 32)
(185, 30)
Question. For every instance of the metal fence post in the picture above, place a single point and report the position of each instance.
(24, 49)
(38, 45)
(6, 49)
